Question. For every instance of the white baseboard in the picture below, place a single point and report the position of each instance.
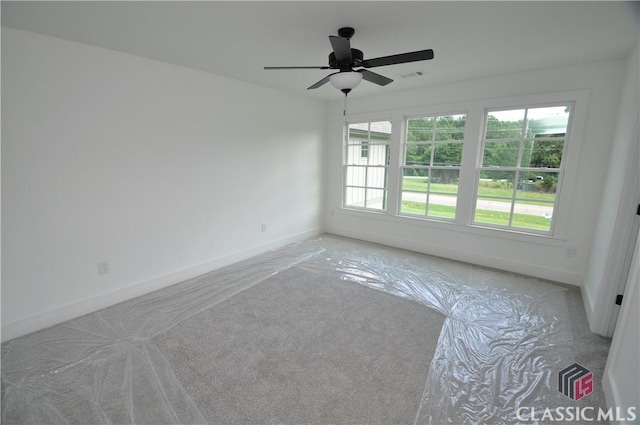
(464, 256)
(66, 312)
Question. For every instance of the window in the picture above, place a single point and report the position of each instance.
(501, 166)
(432, 160)
(521, 167)
(364, 149)
(366, 165)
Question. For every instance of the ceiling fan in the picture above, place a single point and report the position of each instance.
(344, 58)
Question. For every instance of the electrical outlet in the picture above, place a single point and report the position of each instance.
(263, 228)
(570, 251)
(103, 267)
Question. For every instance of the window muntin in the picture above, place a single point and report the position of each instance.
(521, 167)
(366, 167)
(431, 167)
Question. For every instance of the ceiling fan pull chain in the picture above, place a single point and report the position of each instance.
(344, 110)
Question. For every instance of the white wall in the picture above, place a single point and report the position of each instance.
(163, 171)
(617, 224)
(538, 256)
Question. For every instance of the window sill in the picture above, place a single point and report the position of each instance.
(448, 225)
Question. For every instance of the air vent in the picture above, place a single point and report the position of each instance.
(413, 74)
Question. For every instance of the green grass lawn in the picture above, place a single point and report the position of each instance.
(419, 184)
(524, 221)
(443, 211)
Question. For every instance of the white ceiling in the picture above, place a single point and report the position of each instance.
(236, 39)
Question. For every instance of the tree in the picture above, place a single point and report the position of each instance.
(435, 129)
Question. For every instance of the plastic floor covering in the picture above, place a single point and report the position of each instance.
(503, 341)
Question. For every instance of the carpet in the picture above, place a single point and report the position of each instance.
(305, 347)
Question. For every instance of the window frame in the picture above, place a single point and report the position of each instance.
(474, 109)
(359, 146)
(432, 142)
(517, 168)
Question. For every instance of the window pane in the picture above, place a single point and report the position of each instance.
(420, 129)
(450, 128)
(447, 154)
(376, 199)
(376, 177)
(415, 179)
(542, 122)
(492, 211)
(354, 155)
(503, 154)
(542, 153)
(537, 186)
(377, 154)
(532, 220)
(442, 206)
(444, 181)
(358, 132)
(496, 183)
(418, 154)
(354, 197)
(414, 203)
(380, 130)
(535, 209)
(505, 124)
(356, 176)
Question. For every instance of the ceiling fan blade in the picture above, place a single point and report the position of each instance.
(342, 49)
(420, 55)
(324, 81)
(297, 67)
(372, 77)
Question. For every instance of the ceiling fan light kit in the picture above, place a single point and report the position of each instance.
(345, 59)
(345, 81)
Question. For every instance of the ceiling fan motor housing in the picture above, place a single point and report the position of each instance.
(356, 59)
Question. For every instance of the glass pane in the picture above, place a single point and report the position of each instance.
(415, 179)
(358, 132)
(413, 203)
(418, 154)
(354, 155)
(378, 154)
(420, 129)
(548, 121)
(492, 211)
(537, 186)
(354, 197)
(542, 153)
(496, 183)
(376, 199)
(532, 215)
(356, 176)
(444, 181)
(447, 154)
(505, 124)
(450, 127)
(503, 154)
(442, 206)
(380, 131)
(377, 177)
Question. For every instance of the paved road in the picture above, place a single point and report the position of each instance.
(483, 204)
